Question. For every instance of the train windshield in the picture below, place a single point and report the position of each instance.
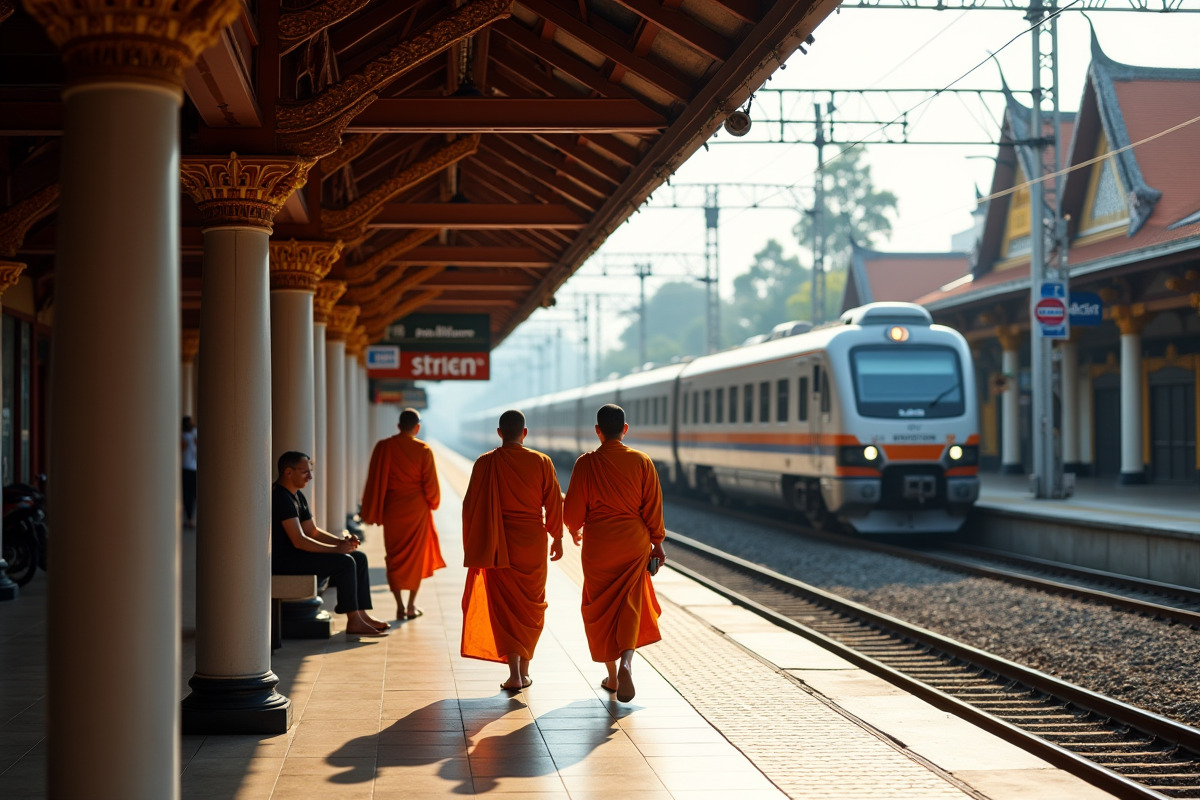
(920, 382)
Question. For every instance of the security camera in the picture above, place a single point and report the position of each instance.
(738, 123)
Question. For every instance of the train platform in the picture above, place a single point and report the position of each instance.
(728, 706)
(1168, 507)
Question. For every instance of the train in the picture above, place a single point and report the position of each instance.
(871, 422)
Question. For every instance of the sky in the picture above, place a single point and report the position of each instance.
(935, 185)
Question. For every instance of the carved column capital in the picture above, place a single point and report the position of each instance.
(1194, 299)
(1008, 336)
(16, 220)
(327, 295)
(1130, 319)
(341, 322)
(301, 265)
(356, 343)
(10, 273)
(234, 191)
(132, 40)
(190, 344)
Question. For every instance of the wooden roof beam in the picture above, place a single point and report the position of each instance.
(549, 174)
(506, 115)
(505, 167)
(683, 27)
(476, 216)
(560, 59)
(450, 255)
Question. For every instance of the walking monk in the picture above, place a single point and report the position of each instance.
(512, 502)
(616, 499)
(401, 494)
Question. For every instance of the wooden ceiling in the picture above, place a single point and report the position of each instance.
(473, 152)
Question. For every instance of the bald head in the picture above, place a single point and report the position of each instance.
(512, 425)
(610, 419)
(409, 420)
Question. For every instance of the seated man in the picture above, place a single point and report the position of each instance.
(299, 547)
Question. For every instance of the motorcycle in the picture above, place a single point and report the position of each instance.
(26, 536)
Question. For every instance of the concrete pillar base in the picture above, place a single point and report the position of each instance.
(8, 589)
(1012, 469)
(1132, 478)
(305, 619)
(236, 705)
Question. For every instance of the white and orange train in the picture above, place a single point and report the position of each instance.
(872, 420)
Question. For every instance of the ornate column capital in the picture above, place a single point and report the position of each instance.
(327, 295)
(1008, 336)
(10, 273)
(132, 40)
(1130, 319)
(16, 220)
(301, 265)
(341, 322)
(234, 191)
(190, 344)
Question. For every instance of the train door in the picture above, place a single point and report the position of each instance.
(1172, 426)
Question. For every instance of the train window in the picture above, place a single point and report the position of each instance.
(825, 392)
(684, 410)
(802, 399)
(913, 381)
(733, 404)
(665, 410)
(720, 405)
(781, 404)
(764, 401)
(696, 407)
(707, 406)
(748, 403)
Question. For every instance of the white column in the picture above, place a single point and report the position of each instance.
(1086, 417)
(1132, 466)
(114, 400)
(1010, 445)
(233, 688)
(10, 272)
(1069, 398)
(187, 377)
(351, 378)
(364, 393)
(317, 487)
(335, 433)
(293, 412)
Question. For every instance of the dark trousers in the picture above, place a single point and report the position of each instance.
(346, 571)
(189, 494)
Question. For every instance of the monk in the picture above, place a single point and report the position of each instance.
(401, 494)
(616, 499)
(512, 502)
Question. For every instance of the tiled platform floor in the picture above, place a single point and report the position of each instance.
(728, 706)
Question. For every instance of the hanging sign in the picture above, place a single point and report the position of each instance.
(436, 347)
(1050, 311)
(383, 356)
(1087, 308)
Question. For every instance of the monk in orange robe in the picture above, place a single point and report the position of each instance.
(615, 497)
(401, 494)
(512, 502)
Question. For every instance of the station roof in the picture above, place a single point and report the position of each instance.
(473, 153)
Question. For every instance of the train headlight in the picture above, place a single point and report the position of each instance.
(962, 455)
(857, 455)
(897, 333)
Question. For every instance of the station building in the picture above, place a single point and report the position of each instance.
(1126, 402)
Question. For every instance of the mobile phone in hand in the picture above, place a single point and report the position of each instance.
(653, 566)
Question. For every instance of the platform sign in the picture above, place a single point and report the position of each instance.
(438, 347)
(1050, 311)
(1087, 308)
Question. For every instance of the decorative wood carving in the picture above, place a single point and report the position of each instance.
(342, 320)
(365, 271)
(377, 326)
(297, 26)
(302, 265)
(351, 222)
(379, 297)
(328, 293)
(350, 150)
(314, 127)
(132, 40)
(10, 273)
(16, 221)
(7, 7)
(236, 191)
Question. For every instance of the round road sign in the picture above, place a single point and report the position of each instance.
(1050, 311)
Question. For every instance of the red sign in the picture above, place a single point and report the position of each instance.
(422, 366)
(1050, 311)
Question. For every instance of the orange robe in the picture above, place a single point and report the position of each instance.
(401, 494)
(615, 497)
(504, 546)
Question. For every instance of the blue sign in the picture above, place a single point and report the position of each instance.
(383, 357)
(1049, 312)
(1086, 308)
(1054, 289)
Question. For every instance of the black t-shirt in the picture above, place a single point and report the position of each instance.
(285, 506)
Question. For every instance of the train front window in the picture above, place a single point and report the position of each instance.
(909, 382)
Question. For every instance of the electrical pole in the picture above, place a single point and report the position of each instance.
(712, 270)
(643, 272)
(818, 214)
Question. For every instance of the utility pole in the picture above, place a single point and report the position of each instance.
(558, 371)
(712, 269)
(818, 215)
(599, 339)
(643, 272)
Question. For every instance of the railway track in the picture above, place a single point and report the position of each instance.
(1167, 602)
(1123, 749)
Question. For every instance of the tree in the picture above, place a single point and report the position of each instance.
(853, 208)
(760, 295)
(674, 327)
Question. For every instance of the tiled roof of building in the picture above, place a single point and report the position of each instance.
(876, 276)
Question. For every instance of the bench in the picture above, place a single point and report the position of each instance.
(288, 587)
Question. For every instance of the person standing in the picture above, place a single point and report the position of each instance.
(615, 498)
(401, 494)
(188, 443)
(512, 502)
(299, 547)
